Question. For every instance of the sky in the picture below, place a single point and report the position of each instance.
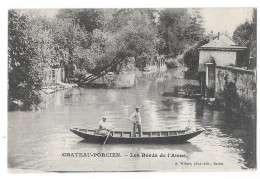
(224, 19)
(215, 19)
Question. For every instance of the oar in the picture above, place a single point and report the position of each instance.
(107, 136)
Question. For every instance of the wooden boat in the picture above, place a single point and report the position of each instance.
(170, 137)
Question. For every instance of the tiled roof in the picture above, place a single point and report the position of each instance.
(222, 42)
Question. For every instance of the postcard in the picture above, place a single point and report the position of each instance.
(132, 89)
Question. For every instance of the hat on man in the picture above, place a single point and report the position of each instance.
(104, 117)
(137, 107)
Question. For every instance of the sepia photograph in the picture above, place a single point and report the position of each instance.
(132, 89)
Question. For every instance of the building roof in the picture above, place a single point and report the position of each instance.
(222, 43)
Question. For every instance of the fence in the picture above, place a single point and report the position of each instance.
(54, 76)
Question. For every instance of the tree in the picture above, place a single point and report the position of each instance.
(41, 29)
(23, 74)
(89, 19)
(242, 34)
(245, 35)
(194, 31)
(67, 39)
(93, 58)
(179, 29)
(135, 31)
(191, 59)
(172, 24)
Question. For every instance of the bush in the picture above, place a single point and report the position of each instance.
(190, 90)
(185, 91)
(174, 62)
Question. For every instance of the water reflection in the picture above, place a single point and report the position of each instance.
(187, 147)
(45, 135)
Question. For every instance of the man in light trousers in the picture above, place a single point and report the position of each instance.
(136, 118)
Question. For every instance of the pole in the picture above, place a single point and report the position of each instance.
(107, 137)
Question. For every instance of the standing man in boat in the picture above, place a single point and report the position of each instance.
(103, 126)
(136, 118)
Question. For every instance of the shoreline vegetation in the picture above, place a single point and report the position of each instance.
(102, 46)
(95, 41)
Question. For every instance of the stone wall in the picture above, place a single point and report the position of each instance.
(245, 81)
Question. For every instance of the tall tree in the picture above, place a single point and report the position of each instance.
(172, 25)
(41, 30)
(194, 31)
(245, 35)
(134, 30)
(179, 29)
(23, 74)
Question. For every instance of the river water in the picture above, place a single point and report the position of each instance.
(41, 140)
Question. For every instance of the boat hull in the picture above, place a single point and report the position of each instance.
(177, 139)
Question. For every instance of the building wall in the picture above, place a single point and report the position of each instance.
(221, 58)
(244, 80)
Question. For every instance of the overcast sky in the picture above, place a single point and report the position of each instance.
(225, 19)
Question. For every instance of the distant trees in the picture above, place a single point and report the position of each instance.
(179, 28)
(245, 35)
(88, 19)
(181, 33)
(194, 31)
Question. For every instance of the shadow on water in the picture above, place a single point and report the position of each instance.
(235, 131)
(244, 133)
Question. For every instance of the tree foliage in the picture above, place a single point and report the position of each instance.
(191, 59)
(245, 35)
(24, 77)
(88, 19)
(179, 29)
(92, 41)
(138, 35)
(194, 31)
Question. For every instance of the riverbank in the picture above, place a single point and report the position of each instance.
(43, 93)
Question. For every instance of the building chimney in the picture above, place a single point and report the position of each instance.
(211, 36)
(218, 35)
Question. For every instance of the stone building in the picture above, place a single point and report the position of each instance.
(221, 51)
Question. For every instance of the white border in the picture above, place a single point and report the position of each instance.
(7, 4)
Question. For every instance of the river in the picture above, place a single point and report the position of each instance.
(41, 140)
